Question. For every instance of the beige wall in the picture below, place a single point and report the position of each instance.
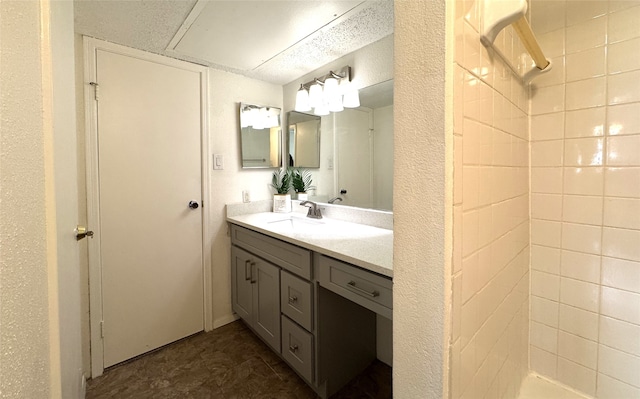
(489, 351)
(585, 198)
(422, 189)
(29, 362)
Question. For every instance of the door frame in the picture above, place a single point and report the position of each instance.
(90, 47)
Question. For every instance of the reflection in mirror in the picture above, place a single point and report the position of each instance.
(357, 152)
(304, 140)
(260, 142)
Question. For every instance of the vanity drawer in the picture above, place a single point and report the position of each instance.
(367, 289)
(288, 256)
(295, 299)
(297, 348)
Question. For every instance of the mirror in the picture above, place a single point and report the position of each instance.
(356, 152)
(303, 140)
(260, 136)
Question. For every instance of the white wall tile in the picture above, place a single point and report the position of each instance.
(622, 212)
(623, 150)
(545, 259)
(623, 25)
(547, 127)
(622, 182)
(589, 93)
(620, 273)
(544, 311)
(552, 42)
(545, 100)
(586, 35)
(544, 232)
(621, 243)
(585, 64)
(543, 363)
(582, 238)
(580, 11)
(547, 153)
(622, 88)
(623, 56)
(584, 181)
(620, 335)
(548, 16)
(623, 305)
(580, 266)
(609, 388)
(544, 337)
(584, 152)
(578, 349)
(469, 232)
(585, 122)
(623, 119)
(546, 180)
(546, 206)
(619, 365)
(579, 322)
(582, 209)
(545, 285)
(580, 294)
(576, 376)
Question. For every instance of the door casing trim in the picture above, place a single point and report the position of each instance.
(90, 47)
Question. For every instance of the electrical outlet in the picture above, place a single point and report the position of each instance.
(246, 196)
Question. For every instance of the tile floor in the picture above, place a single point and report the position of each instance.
(229, 362)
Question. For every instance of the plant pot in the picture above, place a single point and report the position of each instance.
(303, 196)
(282, 203)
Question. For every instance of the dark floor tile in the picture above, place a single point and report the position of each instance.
(227, 363)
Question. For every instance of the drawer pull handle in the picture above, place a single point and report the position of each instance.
(253, 264)
(293, 348)
(352, 284)
(293, 299)
(247, 274)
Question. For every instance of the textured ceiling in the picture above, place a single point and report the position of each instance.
(151, 25)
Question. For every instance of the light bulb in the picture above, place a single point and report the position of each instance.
(315, 95)
(302, 100)
(351, 98)
(321, 110)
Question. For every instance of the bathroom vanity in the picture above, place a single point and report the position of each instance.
(313, 290)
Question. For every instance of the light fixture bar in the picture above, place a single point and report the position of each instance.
(343, 73)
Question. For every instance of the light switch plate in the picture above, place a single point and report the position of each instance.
(218, 162)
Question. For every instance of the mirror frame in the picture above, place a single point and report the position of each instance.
(289, 157)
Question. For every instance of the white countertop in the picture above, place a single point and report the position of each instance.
(365, 246)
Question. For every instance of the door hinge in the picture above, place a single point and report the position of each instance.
(102, 329)
(95, 89)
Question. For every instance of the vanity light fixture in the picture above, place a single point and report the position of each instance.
(330, 93)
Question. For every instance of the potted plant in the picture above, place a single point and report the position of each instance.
(281, 182)
(301, 181)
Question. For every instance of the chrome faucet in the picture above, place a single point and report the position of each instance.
(314, 211)
(334, 199)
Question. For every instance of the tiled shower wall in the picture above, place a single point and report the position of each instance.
(490, 318)
(585, 197)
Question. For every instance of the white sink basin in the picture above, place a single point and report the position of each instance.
(298, 222)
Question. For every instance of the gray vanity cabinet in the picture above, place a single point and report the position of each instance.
(256, 294)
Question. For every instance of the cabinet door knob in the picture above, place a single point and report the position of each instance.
(193, 204)
(293, 299)
(293, 348)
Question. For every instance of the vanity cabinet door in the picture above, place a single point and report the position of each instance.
(242, 295)
(266, 302)
(255, 294)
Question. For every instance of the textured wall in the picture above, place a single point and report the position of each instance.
(226, 90)
(489, 351)
(24, 307)
(421, 227)
(585, 198)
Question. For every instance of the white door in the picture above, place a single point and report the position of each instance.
(149, 169)
(353, 157)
